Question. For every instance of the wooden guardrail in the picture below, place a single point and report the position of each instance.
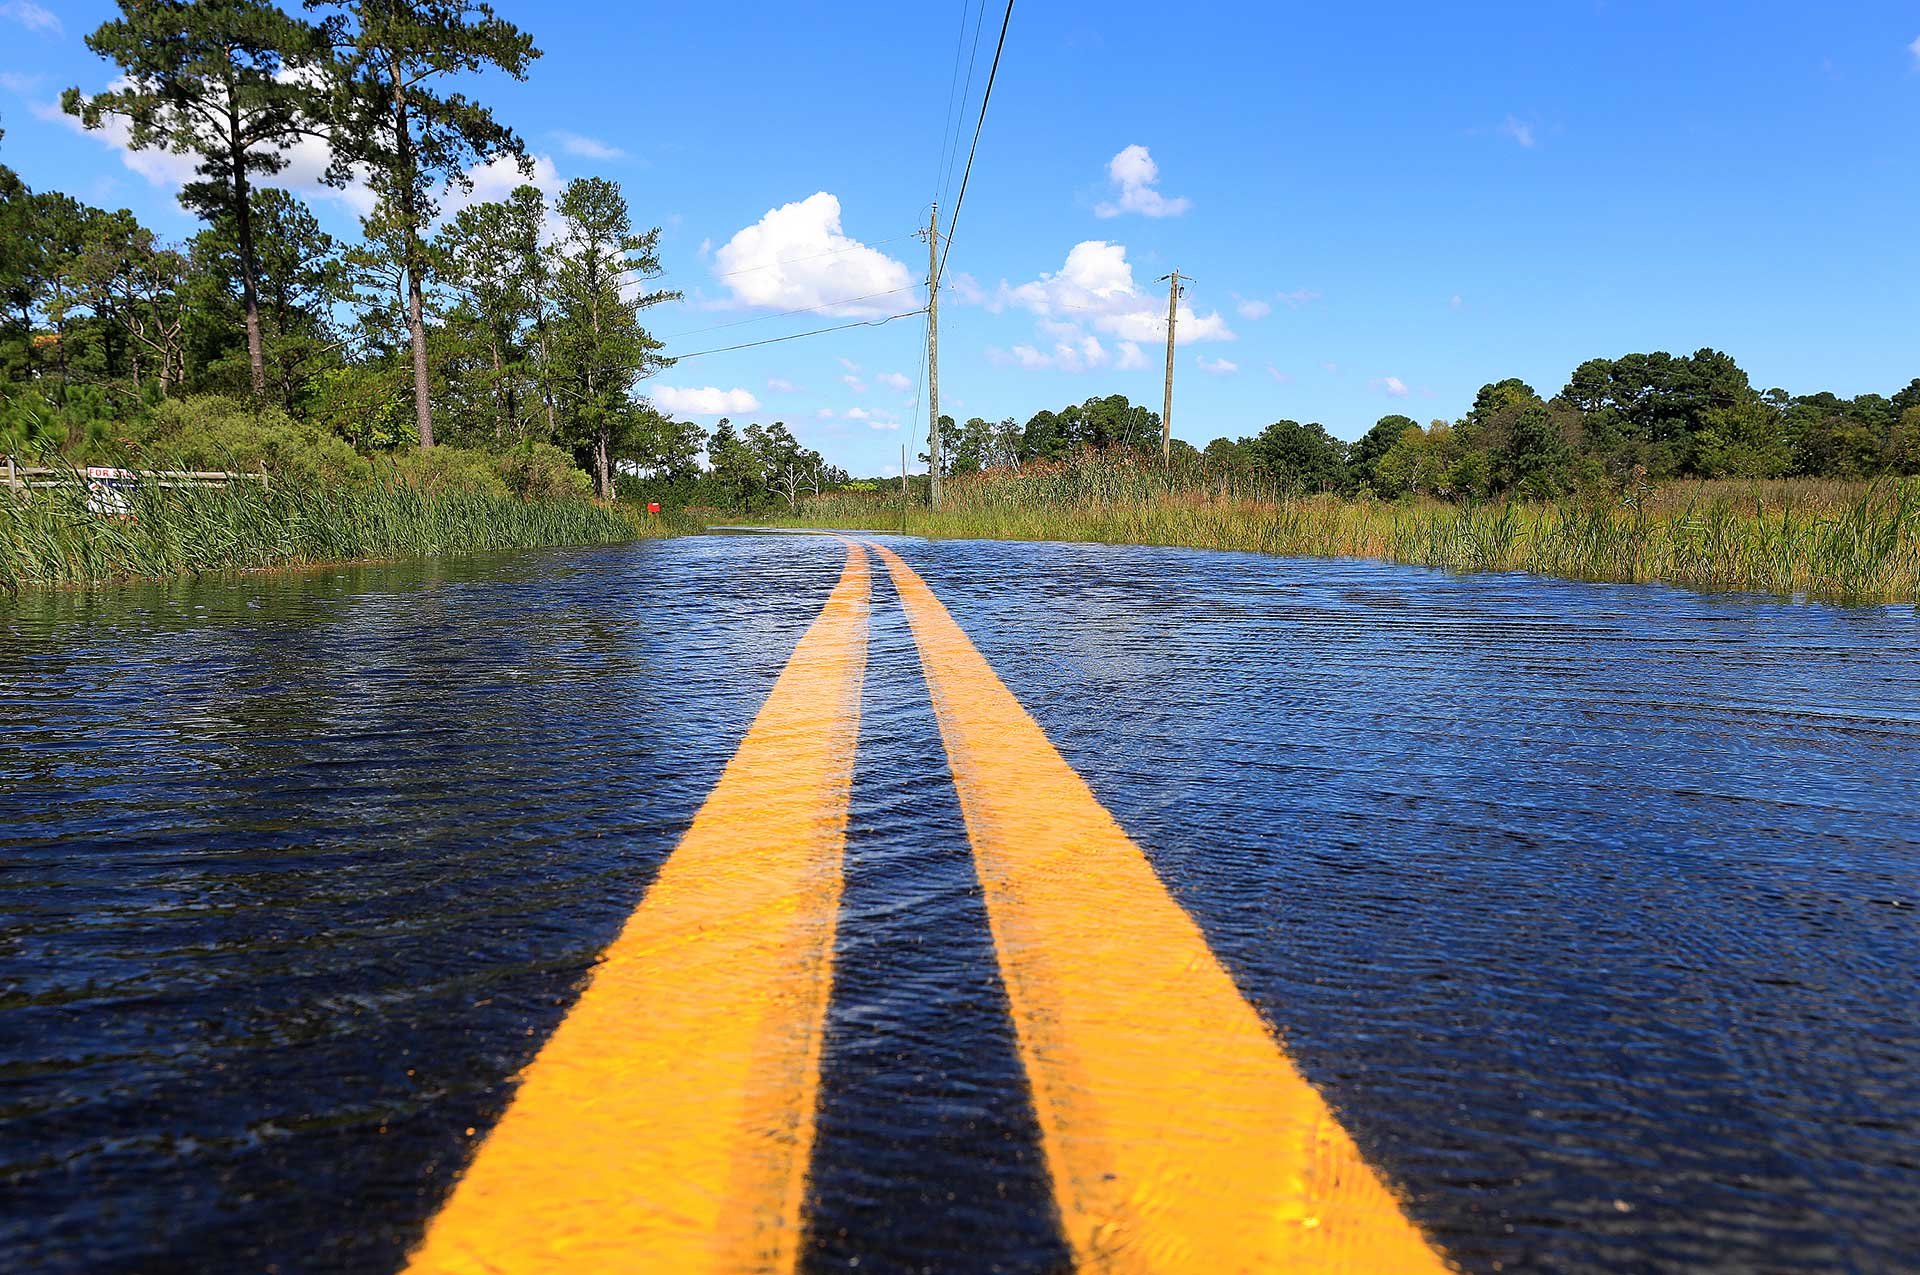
(24, 478)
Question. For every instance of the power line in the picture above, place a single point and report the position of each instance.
(985, 97)
(795, 336)
(966, 91)
(940, 164)
(805, 309)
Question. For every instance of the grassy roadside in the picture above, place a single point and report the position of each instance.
(52, 538)
(1841, 541)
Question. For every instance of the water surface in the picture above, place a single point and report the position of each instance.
(1590, 908)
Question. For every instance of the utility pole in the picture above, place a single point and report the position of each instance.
(903, 473)
(1166, 406)
(933, 357)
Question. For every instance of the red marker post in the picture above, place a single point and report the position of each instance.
(653, 506)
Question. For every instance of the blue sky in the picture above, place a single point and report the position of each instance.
(1384, 206)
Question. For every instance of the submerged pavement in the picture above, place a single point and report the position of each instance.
(753, 905)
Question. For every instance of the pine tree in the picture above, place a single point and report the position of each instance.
(408, 141)
(231, 81)
(599, 348)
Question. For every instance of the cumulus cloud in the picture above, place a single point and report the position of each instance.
(849, 364)
(1130, 357)
(1096, 287)
(894, 380)
(1521, 131)
(1216, 367)
(1251, 307)
(797, 257)
(31, 16)
(707, 401)
(1277, 374)
(854, 383)
(1914, 49)
(586, 147)
(874, 419)
(781, 385)
(1133, 174)
(1392, 385)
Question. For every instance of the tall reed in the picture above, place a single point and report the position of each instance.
(49, 536)
(1846, 541)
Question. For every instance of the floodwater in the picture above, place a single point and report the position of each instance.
(1590, 909)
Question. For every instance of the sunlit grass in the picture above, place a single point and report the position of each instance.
(1851, 541)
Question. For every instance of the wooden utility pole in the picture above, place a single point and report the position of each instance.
(933, 357)
(1166, 405)
(903, 472)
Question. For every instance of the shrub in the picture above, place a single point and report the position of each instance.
(541, 471)
(212, 432)
(447, 471)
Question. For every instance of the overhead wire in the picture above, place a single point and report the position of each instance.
(783, 314)
(986, 97)
(795, 336)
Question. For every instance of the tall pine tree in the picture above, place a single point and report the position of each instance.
(408, 140)
(230, 81)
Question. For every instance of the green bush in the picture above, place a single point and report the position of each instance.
(371, 407)
(446, 471)
(212, 432)
(541, 471)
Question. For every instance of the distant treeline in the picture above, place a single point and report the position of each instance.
(1638, 418)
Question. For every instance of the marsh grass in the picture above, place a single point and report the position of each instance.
(1844, 541)
(49, 536)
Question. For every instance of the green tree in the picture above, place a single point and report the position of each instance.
(1299, 457)
(229, 81)
(599, 348)
(300, 276)
(409, 140)
(491, 263)
(1365, 454)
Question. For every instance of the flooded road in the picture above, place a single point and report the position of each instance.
(1589, 910)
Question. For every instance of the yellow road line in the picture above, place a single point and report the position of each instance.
(1178, 1134)
(667, 1124)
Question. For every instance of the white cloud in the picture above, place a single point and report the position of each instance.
(710, 401)
(1096, 287)
(1298, 297)
(1251, 308)
(781, 385)
(1278, 375)
(796, 257)
(1390, 384)
(1133, 173)
(586, 147)
(883, 424)
(854, 383)
(849, 364)
(31, 16)
(1216, 367)
(1519, 130)
(825, 413)
(859, 414)
(1080, 355)
(1914, 49)
(1130, 357)
(894, 380)
(15, 82)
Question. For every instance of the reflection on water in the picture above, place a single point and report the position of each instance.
(1591, 908)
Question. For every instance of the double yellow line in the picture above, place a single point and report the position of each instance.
(668, 1123)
